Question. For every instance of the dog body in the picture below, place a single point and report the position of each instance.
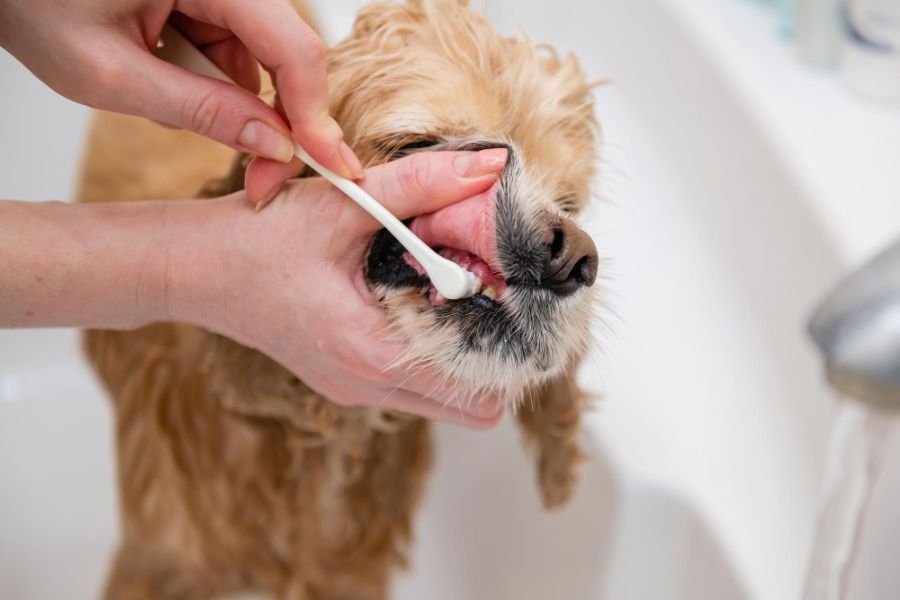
(234, 476)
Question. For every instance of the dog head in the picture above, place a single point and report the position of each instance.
(436, 76)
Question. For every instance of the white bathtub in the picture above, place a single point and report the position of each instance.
(724, 225)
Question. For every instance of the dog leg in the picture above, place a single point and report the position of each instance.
(138, 574)
(550, 421)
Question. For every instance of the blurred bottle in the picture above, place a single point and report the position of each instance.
(785, 10)
(818, 30)
(870, 50)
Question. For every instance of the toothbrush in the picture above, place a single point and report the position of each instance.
(449, 279)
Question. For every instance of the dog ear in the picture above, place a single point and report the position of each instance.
(550, 421)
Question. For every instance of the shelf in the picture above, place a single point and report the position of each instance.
(844, 150)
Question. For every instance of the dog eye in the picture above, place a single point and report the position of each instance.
(399, 145)
(408, 146)
(567, 204)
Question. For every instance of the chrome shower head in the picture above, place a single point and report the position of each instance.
(857, 328)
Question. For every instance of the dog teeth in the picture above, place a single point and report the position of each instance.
(490, 291)
(439, 298)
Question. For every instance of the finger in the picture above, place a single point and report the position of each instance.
(488, 417)
(264, 178)
(277, 105)
(223, 48)
(428, 181)
(431, 385)
(291, 50)
(423, 381)
(216, 109)
(233, 57)
(412, 384)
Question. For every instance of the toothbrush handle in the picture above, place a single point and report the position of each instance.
(178, 50)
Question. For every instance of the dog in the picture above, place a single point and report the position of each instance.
(234, 477)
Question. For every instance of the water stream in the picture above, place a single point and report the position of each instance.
(855, 456)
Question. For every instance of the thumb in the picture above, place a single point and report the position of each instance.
(428, 181)
(216, 109)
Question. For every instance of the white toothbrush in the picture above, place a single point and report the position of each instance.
(449, 279)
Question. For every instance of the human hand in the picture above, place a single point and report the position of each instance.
(99, 53)
(290, 281)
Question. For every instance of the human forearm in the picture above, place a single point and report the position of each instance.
(95, 265)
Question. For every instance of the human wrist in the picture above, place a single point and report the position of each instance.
(203, 272)
(124, 252)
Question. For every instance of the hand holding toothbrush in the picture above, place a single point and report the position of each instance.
(100, 53)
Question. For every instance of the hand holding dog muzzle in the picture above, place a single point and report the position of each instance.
(290, 282)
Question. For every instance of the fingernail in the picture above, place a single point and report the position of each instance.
(261, 139)
(266, 198)
(351, 162)
(490, 408)
(478, 164)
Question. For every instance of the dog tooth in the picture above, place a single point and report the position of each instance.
(490, 291)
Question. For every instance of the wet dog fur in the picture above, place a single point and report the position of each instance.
(233, 475)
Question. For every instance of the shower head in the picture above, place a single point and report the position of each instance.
(857, 329)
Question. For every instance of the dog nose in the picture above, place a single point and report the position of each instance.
(571, 260)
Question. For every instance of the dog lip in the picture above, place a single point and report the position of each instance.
(491, 285)
(467, 225)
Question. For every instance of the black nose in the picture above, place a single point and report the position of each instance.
(571, 260)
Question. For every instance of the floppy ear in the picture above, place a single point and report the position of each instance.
(550, 422)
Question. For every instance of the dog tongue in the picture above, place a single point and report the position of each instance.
(466, 225)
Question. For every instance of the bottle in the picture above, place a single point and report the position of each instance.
(785, 11)
(818, 30)
(870, 52)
